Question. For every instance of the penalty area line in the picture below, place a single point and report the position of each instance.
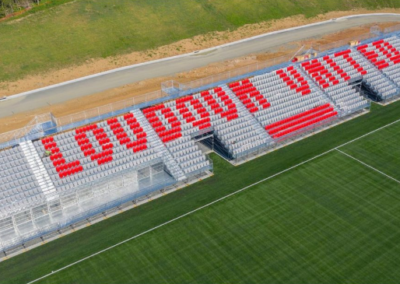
(368, 166)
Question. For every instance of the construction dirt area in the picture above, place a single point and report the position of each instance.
(185, 46)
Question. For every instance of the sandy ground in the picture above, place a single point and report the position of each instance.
(183, 46)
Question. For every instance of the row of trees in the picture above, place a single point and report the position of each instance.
(8, 7)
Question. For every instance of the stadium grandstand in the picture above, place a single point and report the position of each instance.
(54, 176)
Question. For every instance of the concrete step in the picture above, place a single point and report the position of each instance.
(38, 169)
(167, 157)
(264, 136)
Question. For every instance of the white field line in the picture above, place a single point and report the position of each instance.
(209, 204)
(371, 167)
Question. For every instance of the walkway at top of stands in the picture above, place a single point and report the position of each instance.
(51, 128)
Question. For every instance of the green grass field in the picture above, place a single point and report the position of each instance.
(331, 220)
(54, 36)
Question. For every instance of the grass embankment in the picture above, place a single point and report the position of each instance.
(53, 36)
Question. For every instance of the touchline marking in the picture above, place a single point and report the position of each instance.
(211, 203)
(371, 167)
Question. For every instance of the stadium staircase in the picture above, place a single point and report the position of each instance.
(250, 118)
(284, 102)
(374, 80)
(334, 74)
(314, 86)
(38, 169)
(392, 71)
(155, 140)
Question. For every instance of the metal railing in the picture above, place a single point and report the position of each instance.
(210, 80)
(343, 42)
(178, 89)
(34, 127)
(115, 107)
(391, 29)
(118, 107)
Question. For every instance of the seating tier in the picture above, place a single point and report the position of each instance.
(201, 113)
(301, 121)
(375, 80)
(278, 95)
(385, 55)
(333, 73)
(188, 155)
(95, 151)
(382, 53)
(19, 187)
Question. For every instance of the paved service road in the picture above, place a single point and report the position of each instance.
(115, 78)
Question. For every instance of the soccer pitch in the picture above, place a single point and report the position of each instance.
(333, 219)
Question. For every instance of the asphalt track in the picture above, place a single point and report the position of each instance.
(169, 66)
